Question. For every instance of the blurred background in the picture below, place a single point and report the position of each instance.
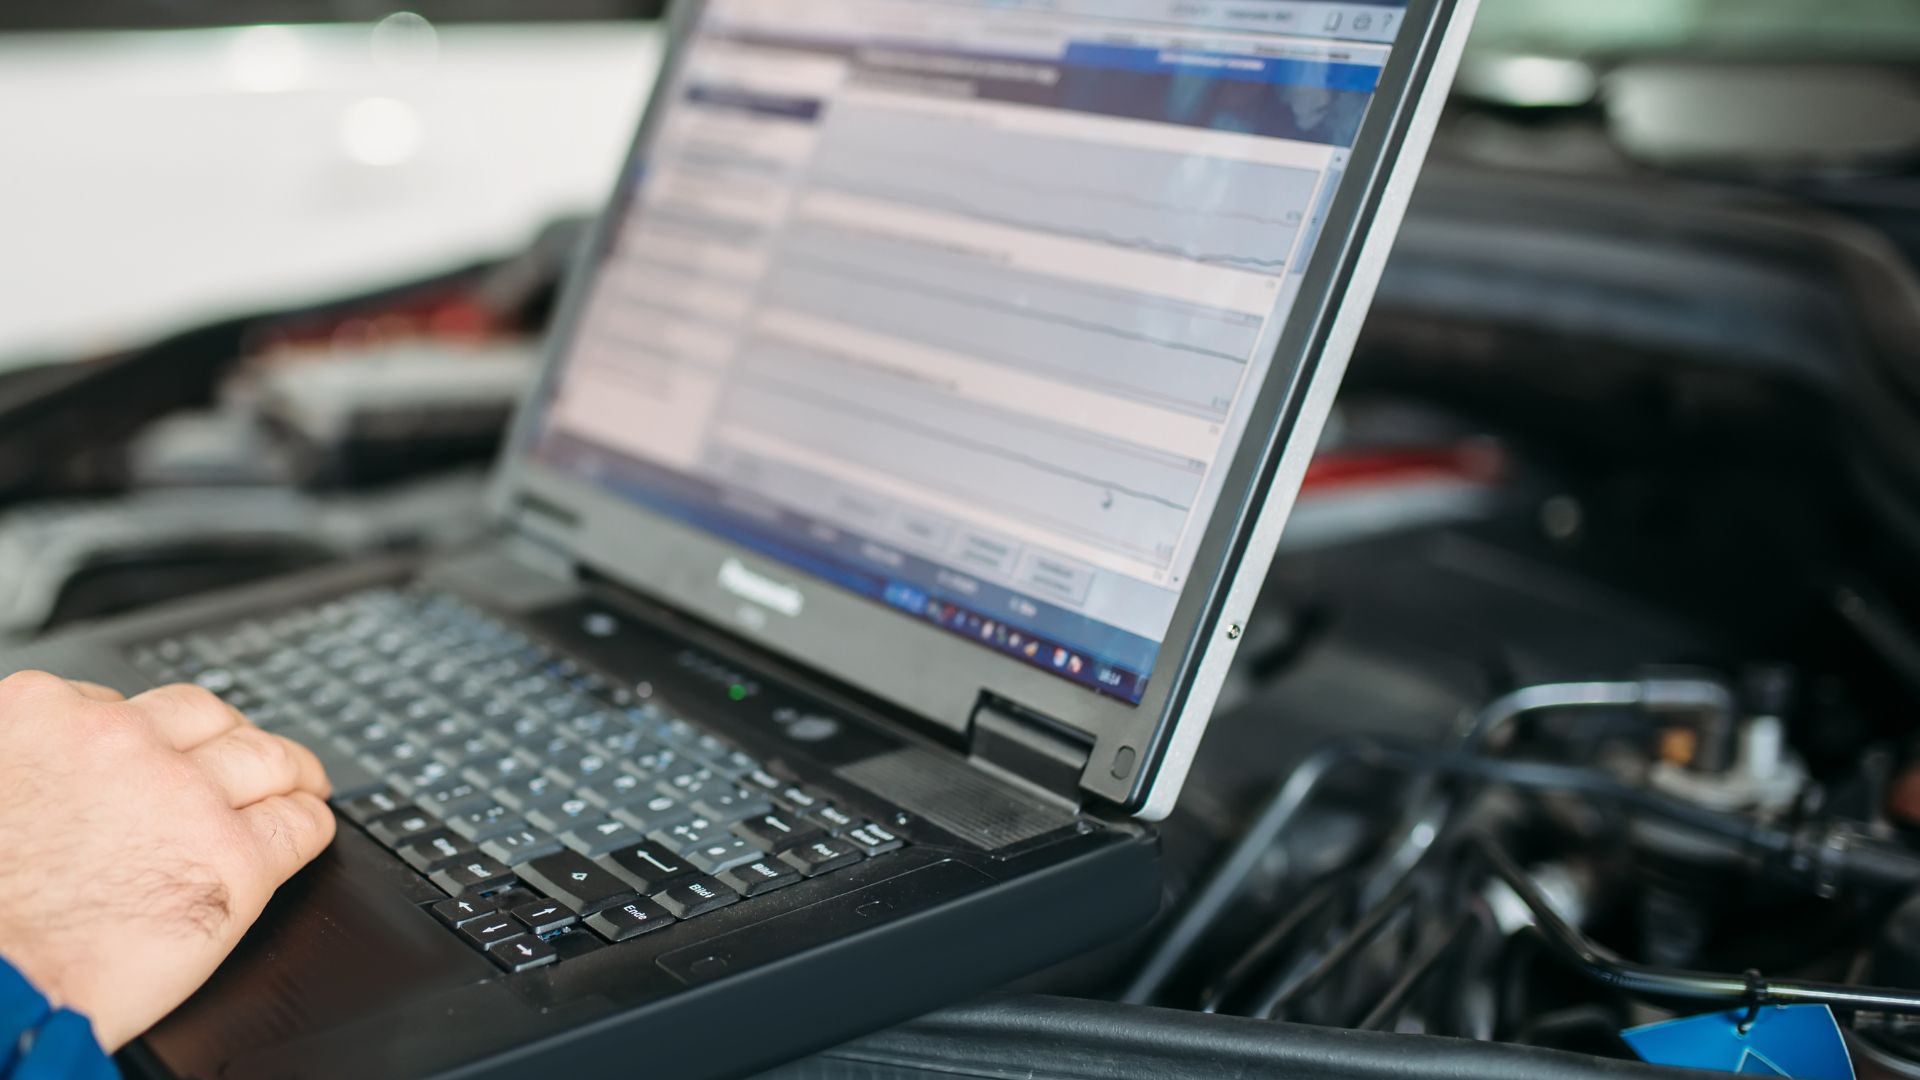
(1642, 388)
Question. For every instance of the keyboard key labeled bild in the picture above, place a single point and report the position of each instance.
(694, 895)
(626, 921)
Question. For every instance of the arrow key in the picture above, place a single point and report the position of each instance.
(522, 954)
(497, 927)
(460, 911)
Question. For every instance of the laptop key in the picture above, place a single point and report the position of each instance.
(759, 876)
(451, 798)
(460, 911)
(495, 928)
(623, 922)
(831, 819)
(821, 856)
(576, 881)
(724, 853)
(522, 954)
(689, 834)
(476, 873)
(542, 916)
(532, 793)
(564, 815)
(729, 806)
(774, 831)
(648, 867)
(696, 895)
(398, 829)
(657, 812)
(520, 845)
(372, 805)
(873, 839)
(616, 791)
(496, 769)
(486, 822)
(798, 799)
(422, 777)
(432, 851)
(596, 838)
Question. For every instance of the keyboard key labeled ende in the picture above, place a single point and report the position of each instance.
(626, 921)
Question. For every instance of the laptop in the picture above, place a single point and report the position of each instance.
(916, 433)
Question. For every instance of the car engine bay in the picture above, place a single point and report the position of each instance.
(1581, 697)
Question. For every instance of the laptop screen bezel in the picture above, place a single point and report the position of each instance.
(920, 667)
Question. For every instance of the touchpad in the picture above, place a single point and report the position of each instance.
(342, 940)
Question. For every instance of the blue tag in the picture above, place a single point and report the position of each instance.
(1799, 1041)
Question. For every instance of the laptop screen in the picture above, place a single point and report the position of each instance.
(961, 304)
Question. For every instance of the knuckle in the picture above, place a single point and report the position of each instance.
(30, 682)
(197, 698)
(269, 751)
(114, 727)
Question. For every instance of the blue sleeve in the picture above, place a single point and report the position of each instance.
(39, 1043)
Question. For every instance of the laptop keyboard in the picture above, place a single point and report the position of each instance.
(547, 804)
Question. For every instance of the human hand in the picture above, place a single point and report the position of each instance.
(142, 837)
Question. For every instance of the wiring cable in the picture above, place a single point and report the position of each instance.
(1833, 857)
(1488, 725)
(1429, 960)
(1604, 966)
(1262, 953)
(1283, 991)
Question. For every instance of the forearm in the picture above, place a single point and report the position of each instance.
(39, 1042)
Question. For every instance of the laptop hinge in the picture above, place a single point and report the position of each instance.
(1029, 749)
(539, 538)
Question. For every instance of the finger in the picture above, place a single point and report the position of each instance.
(288, 830)
(96, 691)
(187, 716)
(248, 765)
